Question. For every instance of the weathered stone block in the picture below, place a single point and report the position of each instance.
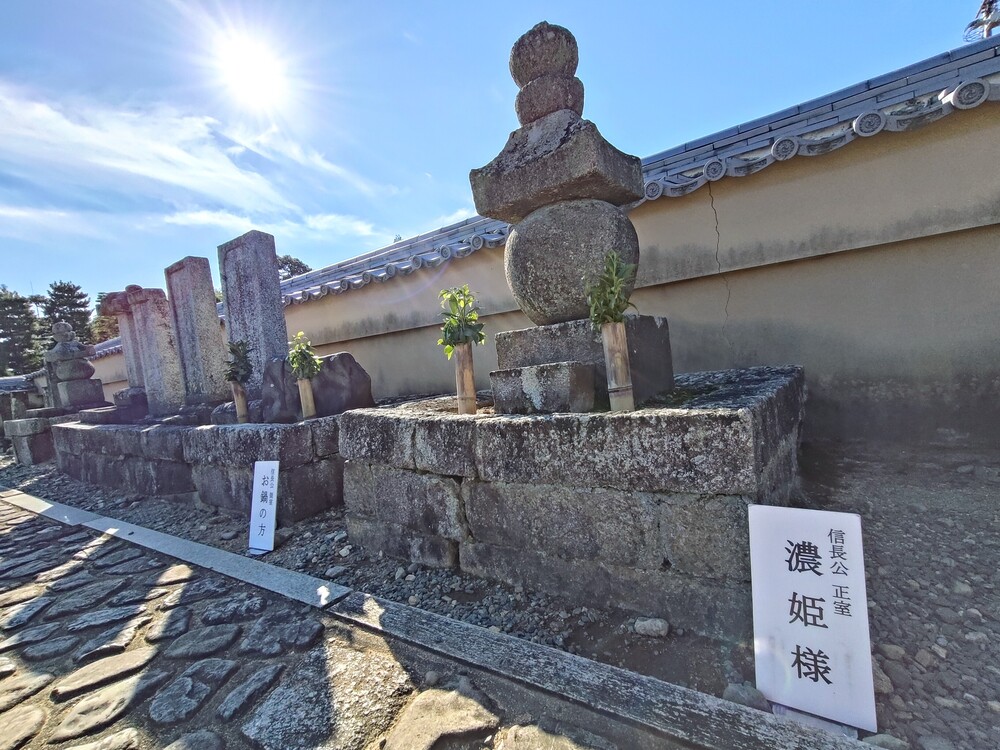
(325, 435)
(242, 444)
(81, 392)
(427, 503)
(303, 491)
(151, 477)
(713, 609)
(25, 427)
(311, 489)
(445, 445)
(30, 450)
(341, 384)
(654, 450)
(706, 536)
(378, 436)
(648, 343)
(161, 442)
(102, 415)
(547, 94)
(568, 522)
(226, 413)
(402, 543)
(544, 389)
(224, 487)
(558, 157)
(44, 412)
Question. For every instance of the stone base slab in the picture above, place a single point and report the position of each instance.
(212, 464)
(576, 341)
(544, 389)
(644, 510)
(81, 392)
(30, 450)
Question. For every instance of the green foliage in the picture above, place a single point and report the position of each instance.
(608, 294)
(20, 334)
(289, 267)
(302, 357)
(67, 302)
(461, 319)
(239, 368)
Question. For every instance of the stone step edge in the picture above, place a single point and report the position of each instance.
(297, 586)
(680, 713)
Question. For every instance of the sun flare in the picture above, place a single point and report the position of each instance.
(254, 75)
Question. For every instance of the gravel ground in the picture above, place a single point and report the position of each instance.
(930, 516)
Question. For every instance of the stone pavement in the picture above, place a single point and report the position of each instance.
(109, 645)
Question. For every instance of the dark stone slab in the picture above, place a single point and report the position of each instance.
(544, 389)
(341, 384)
(576, 341)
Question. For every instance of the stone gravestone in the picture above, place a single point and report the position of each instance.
(161, 366)
(200, 340)
(251, 295)
(130, 402)
(561, 185)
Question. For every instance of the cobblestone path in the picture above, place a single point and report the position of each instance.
(105, 645)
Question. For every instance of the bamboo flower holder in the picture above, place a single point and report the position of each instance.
(306, 397)
(617, 365)
(465, 379)
(240, 399)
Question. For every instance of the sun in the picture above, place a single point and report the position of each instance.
(254, 75)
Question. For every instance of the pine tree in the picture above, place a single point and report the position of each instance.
(289, 267)
(20, 347)
(103, 327)
(67, 302)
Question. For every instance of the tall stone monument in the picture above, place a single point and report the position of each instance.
(200, 341)
(251, 294)
(160, 360)
(561, 185)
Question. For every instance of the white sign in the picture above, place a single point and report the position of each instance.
(263, 505)
(810, 613)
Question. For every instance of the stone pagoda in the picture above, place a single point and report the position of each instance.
(561, 186)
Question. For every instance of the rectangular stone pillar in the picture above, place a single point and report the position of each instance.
(200, 340)
(252, 300)
(116, 303)
(161, 364)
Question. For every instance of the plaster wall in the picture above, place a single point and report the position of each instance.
(874, 266)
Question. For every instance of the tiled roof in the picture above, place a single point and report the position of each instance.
(14, 383)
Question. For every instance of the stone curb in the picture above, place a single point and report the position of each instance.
(701, 720)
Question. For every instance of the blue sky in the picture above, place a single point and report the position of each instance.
(130, 135)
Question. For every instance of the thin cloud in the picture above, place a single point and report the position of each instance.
(37, 224)
(156, 152)
(314, 226)
(273, 144)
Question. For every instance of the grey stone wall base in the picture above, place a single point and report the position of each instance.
(402, 543)
(709, 608)
(25, 427)
(104, 415)
(211, 464)
(645, 510)
(576, 341)
(544, 389)
(46, 412)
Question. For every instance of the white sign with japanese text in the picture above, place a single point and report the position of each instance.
(810, 613)
(263, 505)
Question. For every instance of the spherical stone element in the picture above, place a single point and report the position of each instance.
(74, 369)
(546, 95)
(550, 253)
(545, 49)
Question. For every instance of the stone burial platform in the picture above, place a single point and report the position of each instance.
(211, 465)
(643, 510)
